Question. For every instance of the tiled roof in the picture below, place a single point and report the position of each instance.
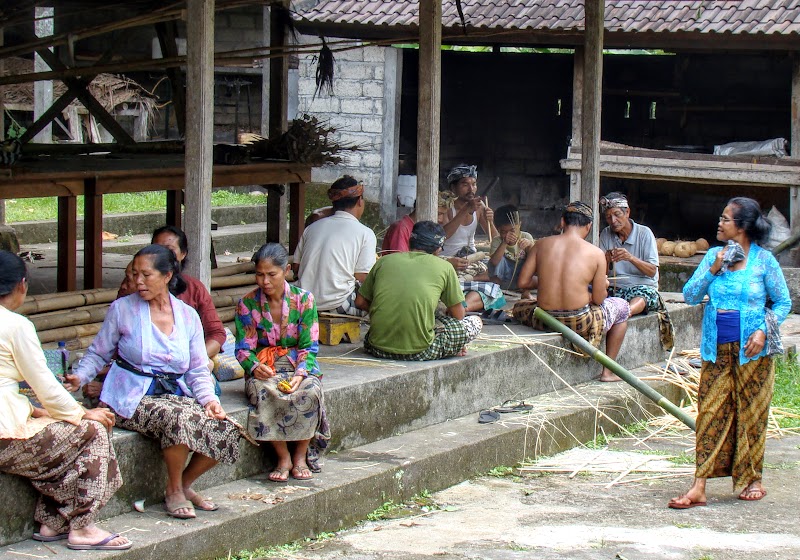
(780, 17)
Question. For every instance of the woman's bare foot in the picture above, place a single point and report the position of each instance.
(462, 352)
(754, 492)
(199, 501)
(178, 506)
(696, 496)
(608, 376)
(92, 534)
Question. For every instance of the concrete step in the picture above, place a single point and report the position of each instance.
(255, 512)
(374, 400)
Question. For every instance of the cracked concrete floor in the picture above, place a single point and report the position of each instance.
(550, 517)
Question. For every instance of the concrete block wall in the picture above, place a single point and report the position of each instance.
(356, 110)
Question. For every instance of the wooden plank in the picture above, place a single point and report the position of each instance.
(794, 193)
(47, 117)
(297, 205)
(167, 32)
(592, 102)
(66, 280)
(689, 157)
(92, 236)
(199, 134)
(429, 107)
(718, 163)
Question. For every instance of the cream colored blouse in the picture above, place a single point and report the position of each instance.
(22, 359)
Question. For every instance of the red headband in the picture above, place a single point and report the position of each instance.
(350, 192)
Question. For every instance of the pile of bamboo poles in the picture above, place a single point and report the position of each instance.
(76, 317)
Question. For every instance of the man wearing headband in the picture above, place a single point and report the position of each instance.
(566, 266)
(401, 294)
(334, 255)
(632, 255)
(468, 210)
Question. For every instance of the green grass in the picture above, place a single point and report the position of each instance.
(46, 208)
(787, 389)
(278, 551)
(682, 459)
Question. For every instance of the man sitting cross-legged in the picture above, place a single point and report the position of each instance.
(401, 293)
(566, 265)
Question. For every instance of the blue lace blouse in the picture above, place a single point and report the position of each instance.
(744, 290)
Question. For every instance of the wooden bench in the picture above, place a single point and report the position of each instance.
(333, 327)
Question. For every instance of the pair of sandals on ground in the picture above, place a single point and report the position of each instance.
(298, 472)
(493, 414)
(752, 493)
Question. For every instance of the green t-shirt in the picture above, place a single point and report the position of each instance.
(404, 290)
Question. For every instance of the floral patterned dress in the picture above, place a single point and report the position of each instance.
(274, 415)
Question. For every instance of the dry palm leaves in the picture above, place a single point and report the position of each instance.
(308, 140)
(325, 66)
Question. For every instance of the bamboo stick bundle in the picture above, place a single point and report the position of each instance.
(226, 314)
(233, 281)
(42, 297)
(67, 300)
(68, 333)
(233, 269)
(236, 292)
(72, 317)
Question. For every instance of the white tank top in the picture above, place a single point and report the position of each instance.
(463, 237)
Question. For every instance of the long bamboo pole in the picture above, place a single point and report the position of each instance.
(233, 269)
(623, 373)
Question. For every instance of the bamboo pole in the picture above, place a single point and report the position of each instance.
(786, 244)
(226, 314)
(623, 373)
(66, 301)
(69, 318)
(233, 269)
(69, 333)
(233, 281)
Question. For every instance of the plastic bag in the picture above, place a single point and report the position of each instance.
(780, 229)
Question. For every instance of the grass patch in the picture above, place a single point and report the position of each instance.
(46, 208)
(682, 459)
(688, 526)
(278, 551)
(501, 472)
(787, 389)
(419, 503)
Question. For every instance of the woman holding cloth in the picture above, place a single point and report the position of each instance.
(64, 450)
(277, 339)
(740, 336)
(160, 385)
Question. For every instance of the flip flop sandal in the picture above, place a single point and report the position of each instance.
(494, 317)
(172, 508)
(300, 473)
(282, 473)
(102, 545)
(51, 538)
(198, 501)
(513, 406)
(487, 416)
(690, 505)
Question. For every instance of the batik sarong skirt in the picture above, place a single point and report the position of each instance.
(296, 416)
(587, 321)
(73, 468)
(175, 420)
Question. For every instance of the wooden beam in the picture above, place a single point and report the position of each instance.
(199, 134)
(275, 196)
(42, 90)
(577, 120)
(794, 193)
(67, 260)
(297, 205)
(277, 204)
(45, 118)
(92, 235)
(175, 208)
(592, 101)
(429, 105)
(167, 34)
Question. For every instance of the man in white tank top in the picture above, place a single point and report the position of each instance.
(467, 212)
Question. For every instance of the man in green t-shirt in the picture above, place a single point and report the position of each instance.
(401, 293)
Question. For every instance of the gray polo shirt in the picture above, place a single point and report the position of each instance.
(641, 243)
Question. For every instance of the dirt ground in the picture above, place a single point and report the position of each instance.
(552, 516)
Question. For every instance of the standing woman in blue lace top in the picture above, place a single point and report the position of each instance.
(740, 336)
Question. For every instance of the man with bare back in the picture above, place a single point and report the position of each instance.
(566, 266)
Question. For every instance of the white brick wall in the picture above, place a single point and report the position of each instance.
(355, 110)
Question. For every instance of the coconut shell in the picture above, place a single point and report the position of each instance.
(702, 244)
(667, 248)
(685, 249)
(659, 242)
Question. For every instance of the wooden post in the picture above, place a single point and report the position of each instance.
(577, 119)
(174, 208)
(277, 207)
(199, 134)
(592, 100)
(430, 92)
(297, 204)
(66, 280)
(92, 235)
(42, 90)
(794, 192)
(2, 126)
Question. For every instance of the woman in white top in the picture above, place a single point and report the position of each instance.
(64, 450)
(467, 212)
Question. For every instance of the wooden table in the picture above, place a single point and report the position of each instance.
(96, 175)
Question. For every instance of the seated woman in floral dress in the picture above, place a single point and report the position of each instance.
(277, 338)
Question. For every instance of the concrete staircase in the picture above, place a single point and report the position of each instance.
(398, 428)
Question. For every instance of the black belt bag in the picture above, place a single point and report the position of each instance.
(165, 382)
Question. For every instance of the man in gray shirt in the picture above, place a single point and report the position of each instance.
(632, 255)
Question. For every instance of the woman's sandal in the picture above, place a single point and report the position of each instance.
(172, 507)
(201, 503)
(279, 474)
(747, 492)
(300, 472)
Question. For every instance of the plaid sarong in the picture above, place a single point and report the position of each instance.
(450, 337)
(588, 321)
(653, 303)
(491, 293)
(349, 305)
(733, 406)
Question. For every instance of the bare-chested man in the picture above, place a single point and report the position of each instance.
(566, 265)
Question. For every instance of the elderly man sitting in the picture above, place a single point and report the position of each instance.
(401, 294)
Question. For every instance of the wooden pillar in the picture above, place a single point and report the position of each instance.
(2, 126)
(92, 235)
(429, 97)
(277, 207)
(66, 280)
(592, 100)
(577, 120)
(199, 134)
(794, 192)
(174, 208)
(297, 204)
(43, 89)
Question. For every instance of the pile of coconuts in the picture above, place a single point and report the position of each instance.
(683, 249)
